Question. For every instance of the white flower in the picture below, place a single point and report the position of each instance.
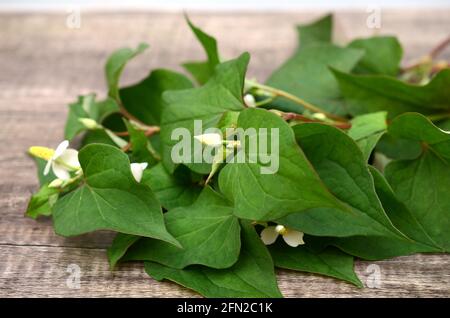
(212, 139)
(137, 169)
(291, 237)
(63, 161)
(249, 100)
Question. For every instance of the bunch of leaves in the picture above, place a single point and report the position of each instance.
(364, 167)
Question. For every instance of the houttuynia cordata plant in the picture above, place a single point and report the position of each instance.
(341, 153)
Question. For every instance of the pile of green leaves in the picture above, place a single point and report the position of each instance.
(367, 177)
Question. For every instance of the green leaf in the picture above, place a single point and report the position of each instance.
(110, 199)
(172, 190)
(252, 276)
(329, 262)
(87, 107)
(307, 75)
(367, 232)
(207, 230)
(105, 108)
(77, 110)
(416, 127)
(222, 93)
(383, 55)
(97, 136)
(398, 148)
(144, 99)
(115, 65)
(382, 247)
(42, 201)
(317, 32)
(120, 245)
(141, 149)
(401, 216)
(342, 167)
(43, 179)
(367, 130)
(427, 176)
(295, 186)
(203, 71)
(372, 93)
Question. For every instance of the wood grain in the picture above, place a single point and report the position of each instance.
(44, 65)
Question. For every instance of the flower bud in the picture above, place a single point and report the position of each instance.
(137, 170)
(212, 139)
(249, 100)
(57, 183)
(319, 116)
(89, 123)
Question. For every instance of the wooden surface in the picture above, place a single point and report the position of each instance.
(44, 65)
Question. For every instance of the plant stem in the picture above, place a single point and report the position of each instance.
(130, 116)
(428, 59)
(439, 48)
(126, 147)
(264, 102)
(121, 133)
(294, 116)
(151, 130)
(280, 93)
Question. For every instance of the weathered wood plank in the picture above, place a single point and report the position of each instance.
(44, 65)
(36, 271)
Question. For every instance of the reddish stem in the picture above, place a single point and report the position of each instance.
(294, 116)
(439, 48)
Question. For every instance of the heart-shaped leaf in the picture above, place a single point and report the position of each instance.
(109, 198)
(172, 190)
(222, 93)
(207, 230)
(372, 93)
(292, 186)
(252, 276)
(427, 176)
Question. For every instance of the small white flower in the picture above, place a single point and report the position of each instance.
(63, 161)
(292, 237)
(212, 139)
(137, 169)
(249, 100)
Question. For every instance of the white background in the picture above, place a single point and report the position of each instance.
(176, 5)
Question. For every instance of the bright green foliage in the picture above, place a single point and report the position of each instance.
(252, 275)
(319, 31)
(372, 93)
(382, 55)
(222, 93)
(109, 198)
(371, 182)
(207, 231)
(203, 71)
